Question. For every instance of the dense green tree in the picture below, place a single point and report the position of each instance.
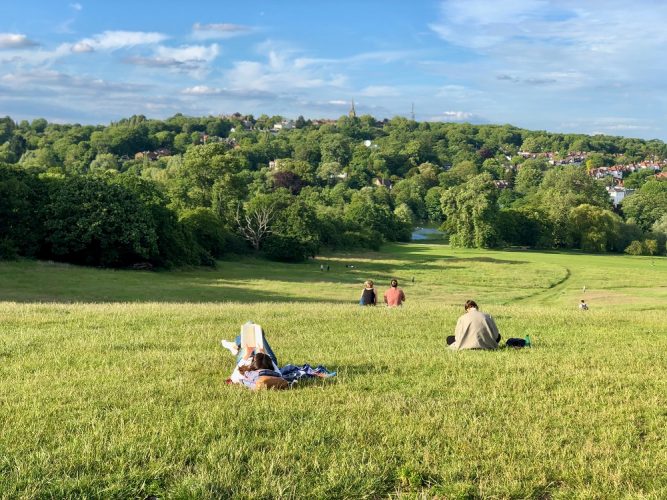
(470, 211)
(329, 173)
(335, 148)
(520, 227)
(21, 199)
(412, 194)
(647, 205)
(90, 221)
(433, 205)
(208, 231)
(594, 229)
(637, 179)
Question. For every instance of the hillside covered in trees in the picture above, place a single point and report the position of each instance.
(189, 190)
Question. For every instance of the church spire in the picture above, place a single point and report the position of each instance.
(352, 113)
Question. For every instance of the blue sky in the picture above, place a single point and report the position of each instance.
(594, 66)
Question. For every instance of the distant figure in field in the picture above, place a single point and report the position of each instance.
(583, 306)
(368, 295)
(413, 280)
(321, 267)
(394, 297)
(583, 290)
(474, 330)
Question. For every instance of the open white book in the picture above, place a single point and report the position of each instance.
(251, 336)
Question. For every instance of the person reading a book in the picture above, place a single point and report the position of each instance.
(250, 339)
(474, 330)
(257, 366)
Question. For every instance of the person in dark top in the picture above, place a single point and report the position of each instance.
(368, 295)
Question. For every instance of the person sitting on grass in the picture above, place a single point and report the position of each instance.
(583, 306)
(394, 297)
(474, 330)
(368, 295)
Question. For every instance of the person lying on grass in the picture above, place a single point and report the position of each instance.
(256, 371)
(474, 330)
(257, 366)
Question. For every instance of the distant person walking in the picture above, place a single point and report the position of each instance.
(368, 295)
(394, 297)
(583, 306)
(474, 330)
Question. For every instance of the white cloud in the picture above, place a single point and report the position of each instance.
(219, 31)
(114, 40)
(201, 90)
(194, 59)
(76, 6)
(281, 72)
(51, 80)
(188, 52)
(458, 117)
(15, 41)
(206, 91)
(522, 40)
(82, 47)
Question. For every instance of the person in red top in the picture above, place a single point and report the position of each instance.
(394, 296)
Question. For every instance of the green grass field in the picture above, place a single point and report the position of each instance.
(112, 382)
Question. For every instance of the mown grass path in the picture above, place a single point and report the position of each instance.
(111, 382)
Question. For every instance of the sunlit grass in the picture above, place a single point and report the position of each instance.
(112, 382)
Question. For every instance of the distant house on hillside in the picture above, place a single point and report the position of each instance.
(148, 155)
(380, 182)
(618, 193)
(160, 152)
(152, 155)
(284, 125)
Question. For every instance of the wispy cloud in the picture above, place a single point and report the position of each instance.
(214, 31)
(114, 40)
(562, 37)
(281, 71)
(194, 59)
(206, 91)
(15, 41)
(51, 80)
(76, 6)
(458, 117)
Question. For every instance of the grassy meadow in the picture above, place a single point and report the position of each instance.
(112, 382)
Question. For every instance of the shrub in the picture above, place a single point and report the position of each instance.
(634, 248)
(286, 248)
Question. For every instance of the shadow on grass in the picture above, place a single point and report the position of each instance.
(246, 280)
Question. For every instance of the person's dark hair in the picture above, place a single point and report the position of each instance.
(260, 361)
(469, 304)
(394, 283)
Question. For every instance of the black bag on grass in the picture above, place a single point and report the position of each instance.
(518, 343)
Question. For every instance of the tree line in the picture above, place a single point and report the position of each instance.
(188, 190)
